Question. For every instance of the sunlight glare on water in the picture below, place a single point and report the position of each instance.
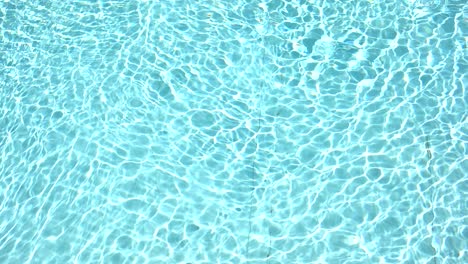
(218, 131)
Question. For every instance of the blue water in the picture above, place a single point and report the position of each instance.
(233, 131)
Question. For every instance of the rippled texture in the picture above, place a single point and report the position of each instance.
(233, 131)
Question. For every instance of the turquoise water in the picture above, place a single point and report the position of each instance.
(233, 131)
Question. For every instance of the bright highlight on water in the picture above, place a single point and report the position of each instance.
(233, 131)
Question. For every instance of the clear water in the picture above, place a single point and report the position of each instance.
(233, 131)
